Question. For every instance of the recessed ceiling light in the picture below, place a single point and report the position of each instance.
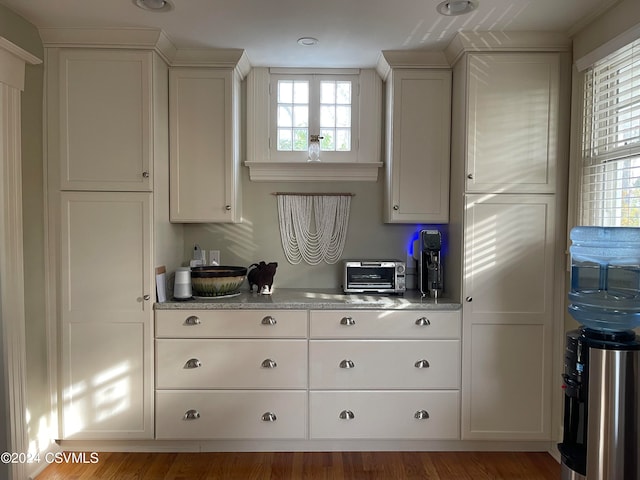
(154, 5)
(451, 8)
(307, 41)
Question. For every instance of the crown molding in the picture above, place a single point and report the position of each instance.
(235, 58)
(390, 59)
(465, 42)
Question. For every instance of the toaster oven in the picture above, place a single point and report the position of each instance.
(374, 276)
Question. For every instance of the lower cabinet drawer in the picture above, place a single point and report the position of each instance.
(384, 415)
(232, 414)
(212, 364)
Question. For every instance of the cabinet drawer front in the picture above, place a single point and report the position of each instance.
(385, 324)
(392, 415)
(347, 364)
(195, 363)
(234, 414)
(231, 323)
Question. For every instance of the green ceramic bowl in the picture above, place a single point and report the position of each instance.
(215, 281)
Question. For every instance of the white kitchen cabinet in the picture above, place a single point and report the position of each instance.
(252, 385)
(508, 314)
(512, 121)
(204, 124)
(417, 152)
(106, 312)
(384, 374)
(105, 119)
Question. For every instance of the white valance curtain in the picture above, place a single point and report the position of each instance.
(313, 227)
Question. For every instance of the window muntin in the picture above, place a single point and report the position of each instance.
(305, 105)
(610, 187)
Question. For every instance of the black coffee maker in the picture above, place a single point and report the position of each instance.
(426, 251)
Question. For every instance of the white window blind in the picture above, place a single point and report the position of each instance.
(610, 190)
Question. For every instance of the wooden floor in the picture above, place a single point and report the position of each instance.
(310, 466)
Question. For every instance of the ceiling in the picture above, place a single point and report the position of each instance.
(351, 33)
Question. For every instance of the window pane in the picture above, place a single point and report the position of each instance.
(301, 92)
(343, 116)
(328, 141)
(285, 117)
(327, 116)
(327, 92)
(284, 139)
(285, 91)
(343, 140)
(301, 116)
(300, 139)
(343, 93)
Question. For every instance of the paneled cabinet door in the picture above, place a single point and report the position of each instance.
(106, 311)
(418, 137)
(508, 317)
(105, 120)
(204, 144)
(513, 108)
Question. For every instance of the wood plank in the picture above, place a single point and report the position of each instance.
(310, 466)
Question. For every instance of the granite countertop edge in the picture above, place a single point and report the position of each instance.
(307, 299)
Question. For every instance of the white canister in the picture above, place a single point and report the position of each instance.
(182, 284)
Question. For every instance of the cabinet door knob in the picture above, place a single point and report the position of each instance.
(268, 320)
(191, 415)
(422, 364)
(193, 363)
(421, 415)
(423, 322)
(469, 299)
(348, 321)
(396, 207)
(227, 208)
(347, 415)
(145, 174)
(470, 176)
(192, 320)
(146, 297)
(268, 363)
(347, 364)
(269, 417)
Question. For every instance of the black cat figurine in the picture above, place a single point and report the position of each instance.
(261, 275)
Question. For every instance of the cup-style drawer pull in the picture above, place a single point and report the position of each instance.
(192, 320)
(421, 415)
(193, 363)
(269, 417)
(422, 364)
(192, 415)
(347, 364)
(348, 321)
(268, 320)
(268, 363)
(423, 322)
(347, 415)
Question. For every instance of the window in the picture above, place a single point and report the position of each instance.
(307, 105)
(610, 186)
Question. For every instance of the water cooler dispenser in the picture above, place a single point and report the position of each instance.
(601, 439)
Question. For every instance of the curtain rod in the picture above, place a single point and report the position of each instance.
(311, 194)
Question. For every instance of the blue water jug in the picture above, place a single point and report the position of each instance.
(605, 277)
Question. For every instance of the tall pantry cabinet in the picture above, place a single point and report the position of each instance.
(507, 223)
(107, 139)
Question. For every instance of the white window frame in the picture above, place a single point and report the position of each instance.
(362, 163)
(609, 162)
(314, 117)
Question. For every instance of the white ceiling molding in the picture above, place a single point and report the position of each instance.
(409, 59)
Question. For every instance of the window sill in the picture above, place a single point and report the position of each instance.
(313, 172)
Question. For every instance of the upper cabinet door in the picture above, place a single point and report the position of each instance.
(105, 120)
(513, 108)
(204, 145)
(418, 138)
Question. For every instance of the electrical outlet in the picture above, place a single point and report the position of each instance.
(214, 257)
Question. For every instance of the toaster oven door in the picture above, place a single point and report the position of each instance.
(370, 277)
